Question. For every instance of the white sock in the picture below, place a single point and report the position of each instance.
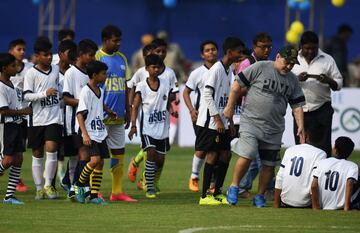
(37, 169)
(73, 161)
(50, 167)
(196, 167)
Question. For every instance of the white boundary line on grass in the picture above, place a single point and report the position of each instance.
(198, 229)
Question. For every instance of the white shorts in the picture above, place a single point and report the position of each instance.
(116, 136)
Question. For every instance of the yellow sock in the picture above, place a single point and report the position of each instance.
(95, 182)
(117, 172)
(139, 158)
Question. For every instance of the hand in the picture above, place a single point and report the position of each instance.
(175, 114)
(51, 92)
(323, 78)
(219, 124)
(232, 128)
(301, 135)
(194, 115)
(112, 115)
(303, 76)
(86, 140)
(27, 111)
(133, 131)
(127, 119)
(228, 113)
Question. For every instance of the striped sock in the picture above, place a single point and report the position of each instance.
(14, 178)
(95, 182)
(150, 174)
(85, 174)
(2, 169)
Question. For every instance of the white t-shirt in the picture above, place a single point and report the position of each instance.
(141, 75)
(195, 83)
(18, 82)
(9, 100)
(155, 121)
(295, 174)
(315, 92)
(46, 109)
(332, 176)
(74, 80)
(92, 107)
(219, 80)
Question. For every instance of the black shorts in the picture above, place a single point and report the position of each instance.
(12, 139)
(38, 135)
(24, 130)
(69, 146)
(99, 149)
(211, 140)
(161, 145)
(77, 141)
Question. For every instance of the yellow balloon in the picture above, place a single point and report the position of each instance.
(338, 3)
(297, 27)
(292, 37)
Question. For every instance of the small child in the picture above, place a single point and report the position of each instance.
(152, 95)
(41, 84)
(90, 116)
(17, 48)
(11, 113)
(333, 184)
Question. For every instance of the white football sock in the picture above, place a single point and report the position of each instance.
(50, 167)
(196, 167)
(37, 170)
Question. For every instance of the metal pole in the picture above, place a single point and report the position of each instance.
(321, 23)
(312, 15)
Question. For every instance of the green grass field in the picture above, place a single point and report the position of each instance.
(175, 209)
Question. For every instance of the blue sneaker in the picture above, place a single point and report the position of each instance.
(80, 194)
(13, 200)
(232, 195)
(259, 201)
(97, 201)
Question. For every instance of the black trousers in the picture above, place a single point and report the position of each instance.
(321, 116)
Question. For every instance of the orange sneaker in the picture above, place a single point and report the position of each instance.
(140, 184)
(194, 184)
(132, 172)
(100, 196)
(21, 187)
(121, 197)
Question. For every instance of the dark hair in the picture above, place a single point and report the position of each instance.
(66, 45)
(16, 42)
(158, 43)
(147, 49)
(344, 28)
(202, 45)
(5, 60)
(95, 67)
(153, 59)
(42, 44)
(309, 37)
(262, 37)
(63, 33)
(344, 147)
(315, 133)
(109, 31)
(232, 43)
(86, 46)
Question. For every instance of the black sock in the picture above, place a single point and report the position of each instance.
(220, 176)
(208, 171)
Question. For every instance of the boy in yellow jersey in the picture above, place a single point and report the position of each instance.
(115, 97)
